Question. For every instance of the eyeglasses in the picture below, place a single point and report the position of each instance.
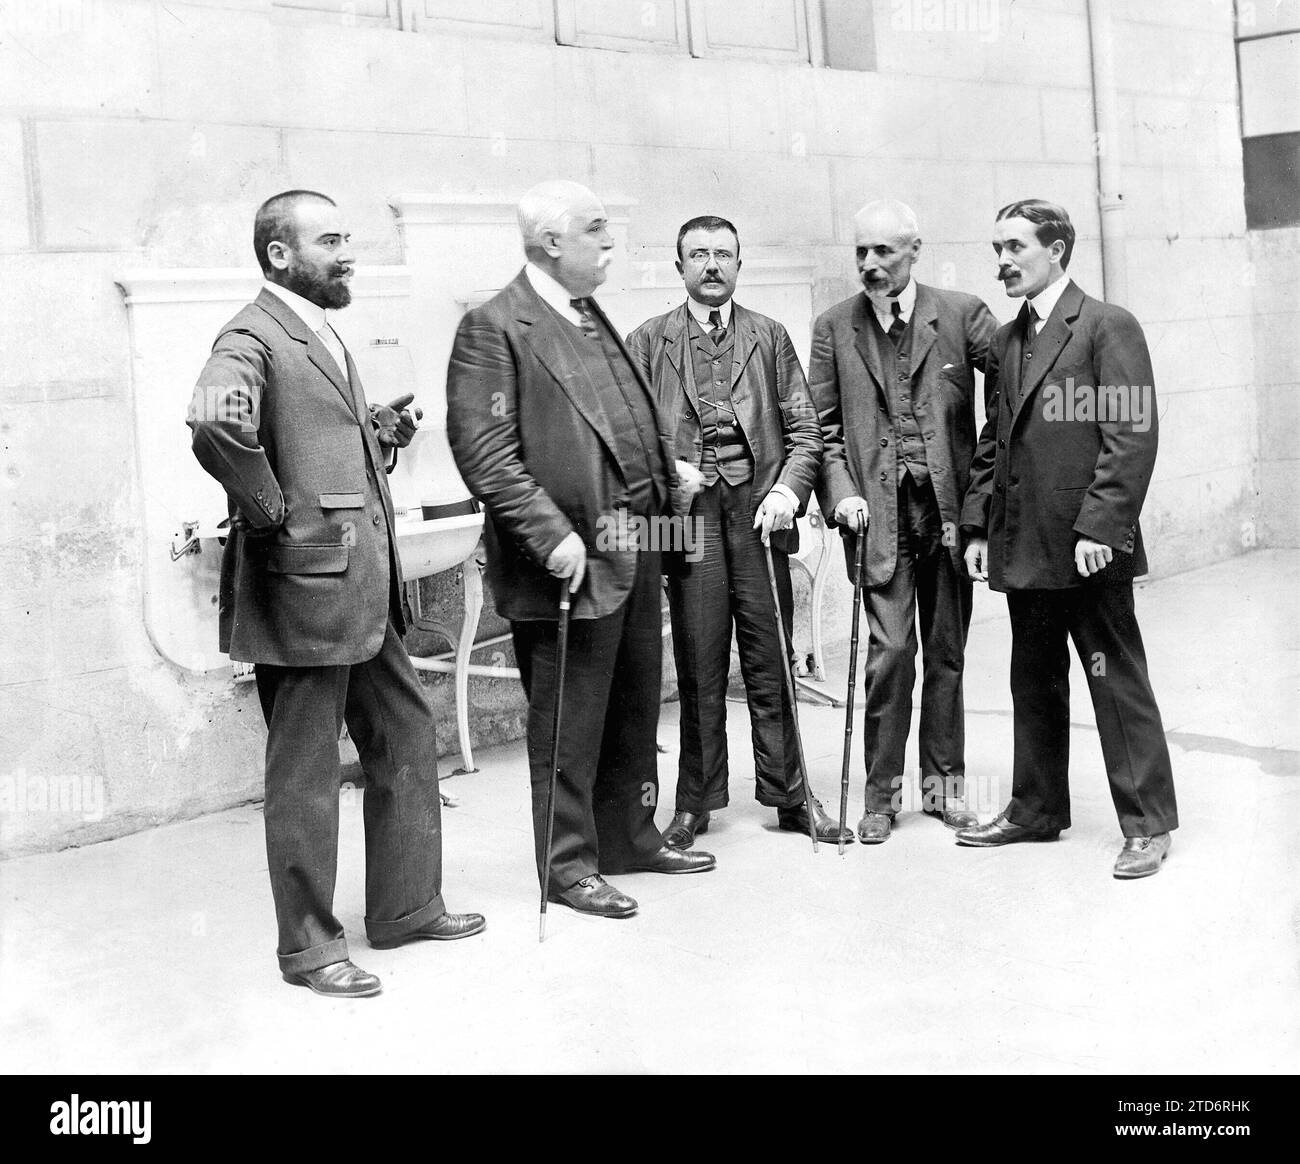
(702, 257)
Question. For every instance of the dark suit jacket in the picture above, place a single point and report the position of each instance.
(950, 339)
(294, 448)
(767, 387)
(1073, 459)
(531, 440)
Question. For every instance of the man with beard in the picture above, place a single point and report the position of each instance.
(1056, 487)
(310, 594)
(730, 380)
(555, 431)
(893, 378)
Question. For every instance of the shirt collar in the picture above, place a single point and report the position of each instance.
(701, 312)
(312, 314)
(884, 307)
(1046, 299)
(554, 294)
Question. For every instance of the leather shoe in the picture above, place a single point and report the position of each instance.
(795, 820)
(596, 896)
(1142, 856)
(954, 818)
(337, 980)
(874, 827)
(446, 928)
(668, 860)
(1001, 831)
(685, 826)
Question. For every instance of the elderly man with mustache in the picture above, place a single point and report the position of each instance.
(555, 431)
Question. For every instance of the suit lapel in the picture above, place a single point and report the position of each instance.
(319, 355)
(866, 343)
(373, 449)
(354, 384)
(665, 432)
(1050, 341)
(317, 352)
(746, 340)
(554, 343)
(677, 354)
(1012, 357)
(925, 319)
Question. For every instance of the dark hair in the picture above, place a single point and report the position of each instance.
(1051, 222)
(276, 222)
(706, 222)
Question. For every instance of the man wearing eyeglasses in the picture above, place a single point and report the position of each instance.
(731, 383)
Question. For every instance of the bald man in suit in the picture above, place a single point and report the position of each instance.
(309, 593)
(555, 431)
(893, 378)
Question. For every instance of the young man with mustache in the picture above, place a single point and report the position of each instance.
(1052, 515)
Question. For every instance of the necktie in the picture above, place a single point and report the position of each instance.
(588, 324)
(1031, 328)
(334, 346)
(717, 333)
(896, 326)
(1026, 356)
(338, 353)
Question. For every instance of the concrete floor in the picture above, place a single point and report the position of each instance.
(154, 953)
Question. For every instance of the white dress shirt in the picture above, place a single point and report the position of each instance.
(553, 293)
(1045, 300)
(316, 318)
(883, 306)
(701, 313)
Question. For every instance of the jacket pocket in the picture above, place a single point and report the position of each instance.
(342, 500)
(289, 559)
(1069, 501)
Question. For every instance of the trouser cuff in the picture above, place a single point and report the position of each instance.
(685, 802)
(1039, 822)
(387, 931)
(314, 958)
(1147, 827)
(790, 800)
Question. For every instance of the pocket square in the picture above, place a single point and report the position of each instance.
(947, 366)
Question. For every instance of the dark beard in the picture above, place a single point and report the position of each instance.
(319, 289)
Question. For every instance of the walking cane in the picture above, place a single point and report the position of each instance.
(859, 565)
(561, 650)
(788, 675)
